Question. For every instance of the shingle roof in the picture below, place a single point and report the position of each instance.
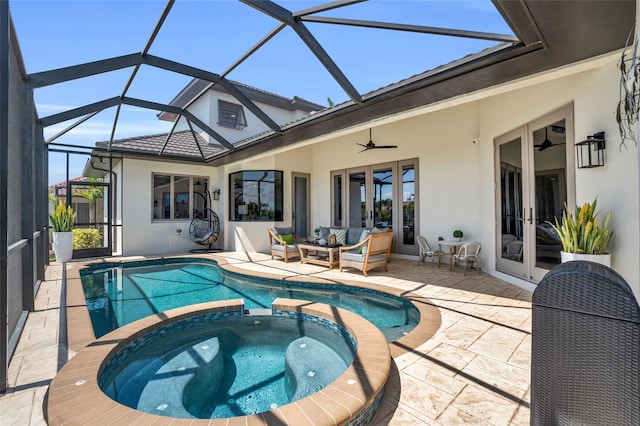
(181, 145)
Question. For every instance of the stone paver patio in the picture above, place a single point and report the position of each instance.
(474, 370)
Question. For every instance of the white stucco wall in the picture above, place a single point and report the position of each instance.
(456, 176)
(141, 234)
(206, 109)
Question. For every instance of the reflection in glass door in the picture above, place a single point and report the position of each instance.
(535, 169)
(369, 195)
(511, 242)
(383, 197)
(549, 191)
(358, 206)
(300, 203)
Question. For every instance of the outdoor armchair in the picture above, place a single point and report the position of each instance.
(467, 256)
(372, 252)
(427, 251)
(283, 243)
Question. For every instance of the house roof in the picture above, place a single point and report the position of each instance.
(196, 86)
(181, 145)
(60, 189)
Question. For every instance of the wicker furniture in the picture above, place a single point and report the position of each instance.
(282, 248)
(204, 228)
(467, 256)
(427, 251)
(585, 362)
(374, 253)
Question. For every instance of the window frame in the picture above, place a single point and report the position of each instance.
(237, 198)
(227, 121)
(171, 193)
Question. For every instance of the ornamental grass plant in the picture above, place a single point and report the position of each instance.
(62, 218)
(581, 233)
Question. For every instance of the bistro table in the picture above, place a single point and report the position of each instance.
(453, 248)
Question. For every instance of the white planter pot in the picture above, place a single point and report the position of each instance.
(63, 246)
(603, 259)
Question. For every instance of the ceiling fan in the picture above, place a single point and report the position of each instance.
(371, 145)
(546, 143)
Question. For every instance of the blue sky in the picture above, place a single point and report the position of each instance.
(211, 35)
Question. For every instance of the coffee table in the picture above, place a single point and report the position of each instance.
(330, 257)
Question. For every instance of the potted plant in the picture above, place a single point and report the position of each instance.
(457, 234)
(316, 231)
(581, 235)
(62, 220)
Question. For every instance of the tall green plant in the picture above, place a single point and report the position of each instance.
(62, 218)
(581, 233)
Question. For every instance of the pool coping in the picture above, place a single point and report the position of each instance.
(81, 334)
(75, 397)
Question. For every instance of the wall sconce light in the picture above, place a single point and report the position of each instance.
(590, 152)
(216, 194)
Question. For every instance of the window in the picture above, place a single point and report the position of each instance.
(179, 197)
(255, 195)
(231, 115)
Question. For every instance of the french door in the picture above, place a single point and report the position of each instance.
(381, 195)
(535, 178)
(300, 203)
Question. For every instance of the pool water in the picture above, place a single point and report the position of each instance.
(226, 367)
(119, 294)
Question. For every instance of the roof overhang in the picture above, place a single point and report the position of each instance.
(553, 34)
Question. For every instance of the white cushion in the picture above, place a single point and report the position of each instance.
(280, 247)
(357, 257)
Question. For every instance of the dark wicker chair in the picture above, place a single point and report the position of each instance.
(204, 229)
(585, 362)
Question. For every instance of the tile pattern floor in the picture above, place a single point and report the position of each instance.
(475, 370)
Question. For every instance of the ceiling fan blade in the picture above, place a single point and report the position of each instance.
(385, 146)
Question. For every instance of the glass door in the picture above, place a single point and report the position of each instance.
(382, 196)
(551, 186)
(359, 203)
(300, 203)
(511, 239)
(407, 182)
(535, 178)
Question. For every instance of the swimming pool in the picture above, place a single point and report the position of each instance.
(120, 293)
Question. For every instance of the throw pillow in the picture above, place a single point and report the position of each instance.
(365, 234)
(283, 230)
(288, 238)
(324, 232)
(341, 235)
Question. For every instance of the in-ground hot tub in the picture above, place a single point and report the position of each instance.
(210, 367)
(182, 365)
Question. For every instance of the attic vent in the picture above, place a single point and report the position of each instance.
(231, 115)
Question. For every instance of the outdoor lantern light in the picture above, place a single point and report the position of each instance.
(216, 194)
(590, 152)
